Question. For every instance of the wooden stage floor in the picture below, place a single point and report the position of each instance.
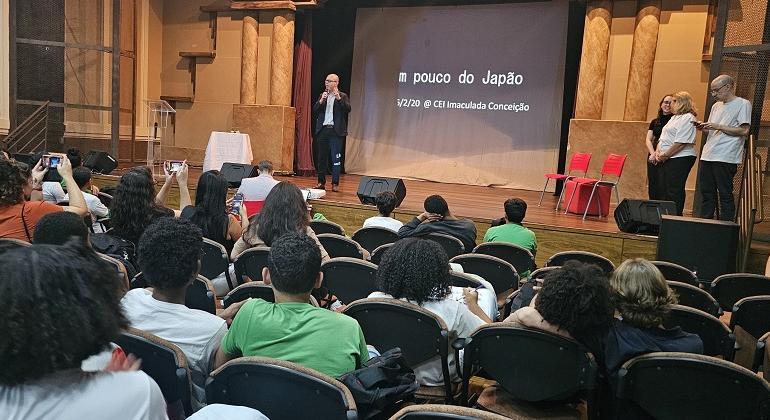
(470, 201)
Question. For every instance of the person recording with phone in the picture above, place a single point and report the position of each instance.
(675, 153)
(331, 109)
(21, 205)
(727, 128)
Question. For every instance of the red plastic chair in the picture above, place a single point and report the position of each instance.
(613, 166)
(578, 163)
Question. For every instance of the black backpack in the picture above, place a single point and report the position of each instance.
(382, 382)
(118, 248)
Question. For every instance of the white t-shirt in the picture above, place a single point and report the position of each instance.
(229, 412)
(460, 321)
(679, 129)
(721, 147)
(53, 192)
(384, 222)
(197, 333)
(77, 395)
(257, 188)
(95, 206)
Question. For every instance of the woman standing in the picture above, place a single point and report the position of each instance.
(654, 175)
(675, 153)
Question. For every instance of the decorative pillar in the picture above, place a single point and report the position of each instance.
(249, 54)
(642, 60)
(593, 61)
(281, 65)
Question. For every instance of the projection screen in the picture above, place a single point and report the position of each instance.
(458, 94)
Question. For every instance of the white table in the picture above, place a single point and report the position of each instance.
(227, 147)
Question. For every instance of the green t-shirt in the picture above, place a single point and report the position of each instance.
(513, 234)
(317, 338)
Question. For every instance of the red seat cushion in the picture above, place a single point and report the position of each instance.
(585, 180)
(556, 176)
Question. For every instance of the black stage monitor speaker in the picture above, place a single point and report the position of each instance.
(642, 216)
(708, 247)
(100, 162)
(370, 186)
(235, 172)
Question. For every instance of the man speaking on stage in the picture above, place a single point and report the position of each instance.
(331, 126)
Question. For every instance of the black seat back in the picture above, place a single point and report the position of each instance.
(349, 279)
(520, 258)
(325, 226)
(537, 365)
(676, 272)
(339, 246)
(695, 297)
(371, 237)
(249, 290)
(163, 362)
(730, 288)
(249, 264)
(378, 252)
(389, 323)
(752, 314)
(501, 274)
(690, 386)
(451, 245)
(444, 412)
(280, 390)
(200, 295)
(560, 258)
(214, 261)
(717, 338)
(458, 279)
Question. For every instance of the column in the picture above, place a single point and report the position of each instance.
(593, 61)
(249, 54)
(282, 59)
(642, 60)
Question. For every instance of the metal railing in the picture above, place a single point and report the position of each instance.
(32, 134)
(751, 209)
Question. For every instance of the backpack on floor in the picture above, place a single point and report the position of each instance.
(382, 382)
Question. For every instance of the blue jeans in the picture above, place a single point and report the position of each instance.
(329, 148)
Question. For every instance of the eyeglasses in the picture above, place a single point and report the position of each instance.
(330, 81)
(715, 91)
(666, 102)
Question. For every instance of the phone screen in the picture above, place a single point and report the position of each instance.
(51, 161)
(174, 165)
(237, 203)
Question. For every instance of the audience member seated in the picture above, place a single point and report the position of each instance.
(643, 301)
(82, 177)
(210, 211)
(386, 202)
(438, 219)
(61, 227)
(417, 271)
(18, 215)
(169, 254)
(574, 301)
(513, 231)
(285, 211)
(257, 188)
(61, 306)
(292, 329)
(134, 205)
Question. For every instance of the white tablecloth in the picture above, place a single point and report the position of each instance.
(227, 147)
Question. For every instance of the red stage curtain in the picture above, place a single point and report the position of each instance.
(303, 147)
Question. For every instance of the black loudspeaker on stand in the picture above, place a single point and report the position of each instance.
(235, 172)
(642, 216)
(100, 162)
(370, 186)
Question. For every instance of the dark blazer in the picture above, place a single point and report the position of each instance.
(341, 110)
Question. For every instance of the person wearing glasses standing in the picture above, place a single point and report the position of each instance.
(331, 126)
(655, 186)
(727, 128)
